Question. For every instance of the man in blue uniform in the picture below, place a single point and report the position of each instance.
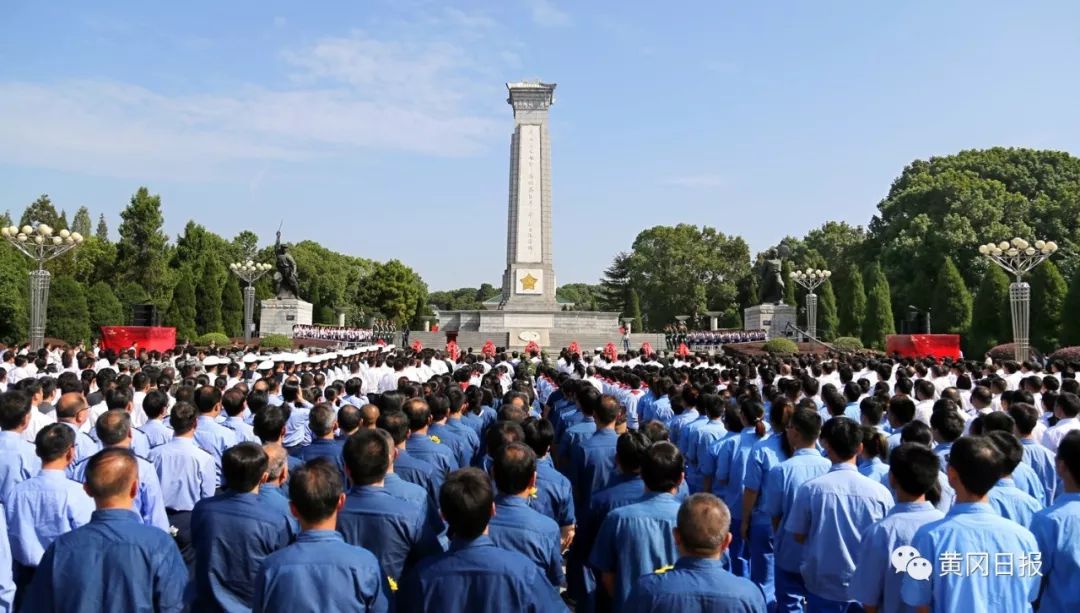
(273, 492)
(186, 474)
(395, 530)
(439, 406)
(474, 572)
(830, 515)
(554, 496)
(114, 430)
(409, 468)
(211, 436)
(322, 421)
(1038, 458)
(515, 526)
(319, 572)
(114, 563)
(913, 471)
(233, 402)
(954, 546)
(154, 405)
(18, 461)
(1007, 499)
(697, 582)
(458, 406)
(120, 399)
(72, 411)
(234, 532)
(422, 445)
(637, 539)
(778, 498)
(593, 461)
(47, 505)
(1057, 530)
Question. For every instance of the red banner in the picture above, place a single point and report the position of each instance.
(922, 345)
(149, 338)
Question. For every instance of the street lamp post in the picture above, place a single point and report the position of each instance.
(250, 272)
(41, 244)
(1018, 257)
(811, 279)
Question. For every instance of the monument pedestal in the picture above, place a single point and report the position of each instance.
(278, 316)
(773, 318)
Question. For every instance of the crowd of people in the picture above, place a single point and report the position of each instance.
(334, 333)
(707, 340)
(374, 480)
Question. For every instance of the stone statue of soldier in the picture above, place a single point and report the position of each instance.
(772, 276)
(285, 281)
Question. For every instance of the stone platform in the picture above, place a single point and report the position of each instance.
(521, 326)
(278, 316)
(773, 318)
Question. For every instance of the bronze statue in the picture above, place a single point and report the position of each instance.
(772, 275)
(285, 281)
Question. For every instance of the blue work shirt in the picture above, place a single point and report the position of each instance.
(478, 422)
(593, 465)
(876, 583)
(242, 431)
(214, 438)
(113, 563)
(330, 449)
(233, 533)
(471, 437)
(1057, 530)
(157, 432)
(455, 441)
(731, 457)
(320, 572)
(416, 495)
(778, 498)
(764, 455)
(1041, 461)
(942, 450)
(973, 529)
(695, 584)
(140, 445)
(689, 432)
(833, 511)
(678, 422)
(474, 574)
(42, 508)
(1029, 482)
(148, 503)
(636, 540)
(698, 445)
(516, 527)
(297, 433)
(660, 409)
(554, 496)
(707, 455)
(84, 445)
(875, 469)
(419, 472)
(394, 530)
(423, 447)
(1011, 503)
(277, 497)
(18, 462)
(7, 577)
(185, 472)
(575, 434)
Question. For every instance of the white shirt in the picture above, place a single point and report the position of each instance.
(1053, 435)
(923, 410)
(38, 420)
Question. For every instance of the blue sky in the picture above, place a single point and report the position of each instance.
(380, 128)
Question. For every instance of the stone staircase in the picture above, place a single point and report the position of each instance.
(588, 341)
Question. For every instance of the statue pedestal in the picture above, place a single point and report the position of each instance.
(772, 318)
(278, 316)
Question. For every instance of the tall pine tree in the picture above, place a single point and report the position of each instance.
(951, 301)
(879, 321)
(1047, 300)
(181, 312)
(81, 222)
(68, 314)
(827, 320)
(990, 319)
(208, 297)
(102, 231)
(140, 253)
(634, 312)
(1070, 319)
(789, 285)
(851, 305)
(232, 307)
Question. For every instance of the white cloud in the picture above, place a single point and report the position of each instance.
(351, 93)
(545, 13)
(702, 181)
(463, 19)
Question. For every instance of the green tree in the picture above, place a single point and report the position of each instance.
(81, 222)
(208, 296)
(62, 221)
(951, 301)
(40, 211)
(990, 320)
(584, 296)
(1070, 324)
(1048, 291)
(634, 313)
(879, 321)
(140, 253)
(232, 307)
(828, 322)
(5, 219)
(683, 269)
(14, 310)
(245, 246)
(131, 294)
(851, 302)
(105, 307)
(615, 284)
(837, 242)
(789, 284)
(102, 231)
(67, 312)
(394, 290)
(182, 308)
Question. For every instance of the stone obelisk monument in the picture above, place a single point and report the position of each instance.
(529, 278)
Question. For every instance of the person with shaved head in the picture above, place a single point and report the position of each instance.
(115, 562)
(698, 581)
